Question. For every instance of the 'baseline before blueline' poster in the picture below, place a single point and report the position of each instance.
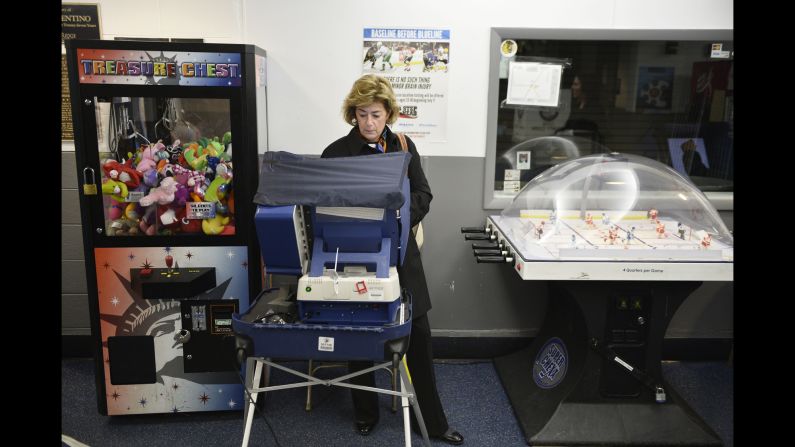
(416, 61)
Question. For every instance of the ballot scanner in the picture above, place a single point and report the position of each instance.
(346, 256)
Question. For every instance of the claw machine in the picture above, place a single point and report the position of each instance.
(166, 141)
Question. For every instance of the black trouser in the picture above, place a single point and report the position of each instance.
(420, 361)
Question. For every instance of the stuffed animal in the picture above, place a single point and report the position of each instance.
(147, 159)
(115, 210)
(170, 219)
(162, 195)
(215, 225)
(121, 227)
(196, 157)
(119, 172)
(117, 190)
(147, 222)
(217, 190)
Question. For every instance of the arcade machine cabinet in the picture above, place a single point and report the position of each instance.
(623, 240)
(166, 139)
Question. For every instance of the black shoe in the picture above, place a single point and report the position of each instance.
(451, 437)
(364, 428)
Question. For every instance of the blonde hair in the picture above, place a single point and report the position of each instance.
(367, 90)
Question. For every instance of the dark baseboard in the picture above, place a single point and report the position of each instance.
(697, 349)
(77, 346)
(685, 349)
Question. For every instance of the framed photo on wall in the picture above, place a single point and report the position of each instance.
(655, 88)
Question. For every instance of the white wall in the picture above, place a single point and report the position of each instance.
(212, 20)
(314, 53)
(314, 48)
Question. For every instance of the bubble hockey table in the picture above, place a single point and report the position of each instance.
(592, 375)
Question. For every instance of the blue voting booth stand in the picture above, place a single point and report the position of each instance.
(342, 225)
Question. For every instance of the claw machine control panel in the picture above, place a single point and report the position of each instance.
(167, 137)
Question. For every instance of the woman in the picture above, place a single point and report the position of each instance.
(369, 107)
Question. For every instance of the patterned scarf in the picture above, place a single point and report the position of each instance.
(380, 145)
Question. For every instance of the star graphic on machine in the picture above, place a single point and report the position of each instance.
(162, 58)
(204, 398)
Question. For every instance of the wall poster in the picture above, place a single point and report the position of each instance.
(416, 61)
(655, 88)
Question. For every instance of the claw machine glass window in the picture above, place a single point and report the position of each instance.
(166, 166)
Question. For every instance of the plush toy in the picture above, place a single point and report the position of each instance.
(196, 157)
(121, 227)
(150, 178)
(147, 159)
(182, 194)
(194, 180)
(174, 151)
(215, 225)
(115, 210)
(117, 190)
(120, 172)
(147, 222)
(217, 190)
(163, 194)
(170, 219)
(224, 170)
(132, 212)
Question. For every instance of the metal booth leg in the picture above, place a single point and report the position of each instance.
(407, 387)
(253, 375)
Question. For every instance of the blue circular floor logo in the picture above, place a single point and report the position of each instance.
(551, 364)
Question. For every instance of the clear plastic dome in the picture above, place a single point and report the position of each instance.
(615, 207)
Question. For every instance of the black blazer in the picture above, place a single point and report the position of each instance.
(412, 275)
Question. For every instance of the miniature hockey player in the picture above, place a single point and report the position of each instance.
(653, 214)
(612, 235)
(706, 241)
(630, 236)
(605, 219)
(660, 230)
(681, 230)
(539, 230)
(589, 220)
(553, 217)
